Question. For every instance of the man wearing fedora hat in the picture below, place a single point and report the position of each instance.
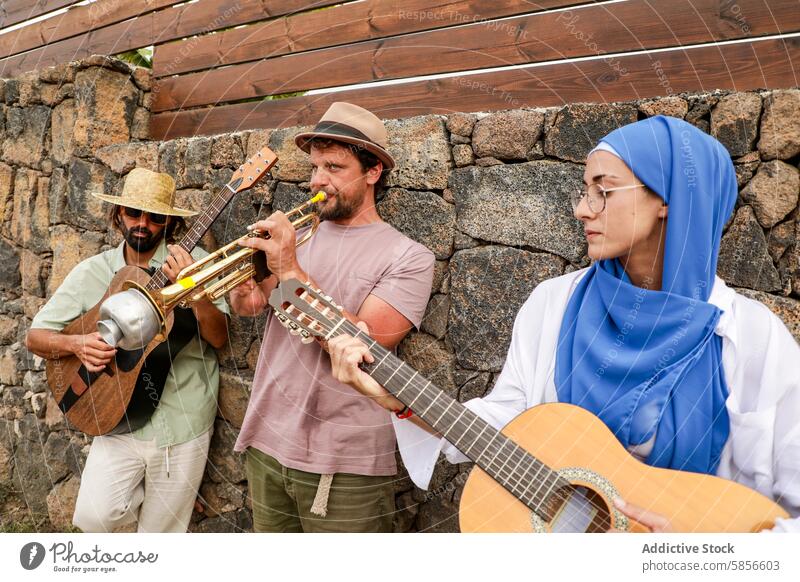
(150, 475)
(318, 457)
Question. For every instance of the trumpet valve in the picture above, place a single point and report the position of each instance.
(256, 234)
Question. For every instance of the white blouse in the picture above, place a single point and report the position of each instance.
(760, 357)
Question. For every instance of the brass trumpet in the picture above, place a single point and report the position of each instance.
(237, 265)
(132, 318)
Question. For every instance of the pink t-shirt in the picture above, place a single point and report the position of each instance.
(297, 412)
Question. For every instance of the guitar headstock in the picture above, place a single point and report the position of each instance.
(306, 311)
(253, 170)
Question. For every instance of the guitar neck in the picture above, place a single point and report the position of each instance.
(522, 474)
(200, 226)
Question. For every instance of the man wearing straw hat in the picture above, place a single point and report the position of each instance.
(318, 458)
(150, 475)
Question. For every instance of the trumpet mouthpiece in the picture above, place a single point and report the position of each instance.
(319, 197)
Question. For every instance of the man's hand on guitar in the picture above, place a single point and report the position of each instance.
(92, 351)
(177, 260)
(655, 522)
(347, 353)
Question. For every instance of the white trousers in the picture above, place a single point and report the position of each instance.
(127, 480)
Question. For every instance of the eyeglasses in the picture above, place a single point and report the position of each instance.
(595, 196)
(153, 217)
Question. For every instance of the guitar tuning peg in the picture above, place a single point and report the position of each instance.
(306, 338)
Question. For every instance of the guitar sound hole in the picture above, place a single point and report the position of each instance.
(581, 510)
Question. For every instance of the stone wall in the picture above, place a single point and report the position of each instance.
(60, 131)
(486, 193)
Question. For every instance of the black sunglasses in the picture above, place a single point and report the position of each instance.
(136, 213)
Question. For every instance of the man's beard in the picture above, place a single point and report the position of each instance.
(143, 244)
(340, 209)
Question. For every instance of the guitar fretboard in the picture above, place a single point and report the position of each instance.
(200, 226)
(522, 474)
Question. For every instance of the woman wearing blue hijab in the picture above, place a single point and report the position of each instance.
(658, 365)
(684, 371)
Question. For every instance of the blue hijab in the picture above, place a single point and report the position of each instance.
(648, 362)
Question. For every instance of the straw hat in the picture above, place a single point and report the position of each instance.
(148, 191)
(350, 124)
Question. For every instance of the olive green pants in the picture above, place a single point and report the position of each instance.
(282, 499)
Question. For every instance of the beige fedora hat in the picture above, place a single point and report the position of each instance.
(149, 191)
(350, 124)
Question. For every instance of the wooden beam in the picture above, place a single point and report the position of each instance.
(635, 25)
(344, 24)
(153, 28)
(760, 64)
(75, 22)
(16, 11)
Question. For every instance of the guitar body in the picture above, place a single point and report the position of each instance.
(97, 403)
(554, 468)
(577, 444)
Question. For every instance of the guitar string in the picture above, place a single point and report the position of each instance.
(557, 495)
(513, 479)
(502, 454)
(159, 279)
(353, 331)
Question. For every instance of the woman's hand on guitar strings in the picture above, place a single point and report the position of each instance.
(657, 523)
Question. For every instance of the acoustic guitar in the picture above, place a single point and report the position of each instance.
(554, 468)
(123, 396)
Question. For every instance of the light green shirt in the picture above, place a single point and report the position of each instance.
(189, 401)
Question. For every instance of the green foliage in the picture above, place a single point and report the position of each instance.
(140, 57)
(285, 95)
(270, 97)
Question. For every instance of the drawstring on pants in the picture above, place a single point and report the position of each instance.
(320, 505)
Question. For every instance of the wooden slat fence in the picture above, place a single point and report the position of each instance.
(16, 11)
(153, 22)
(225, 65)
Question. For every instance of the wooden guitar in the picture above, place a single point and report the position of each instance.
(123, 396)
(554, 468)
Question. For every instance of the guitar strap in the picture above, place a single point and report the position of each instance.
(154, 372)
